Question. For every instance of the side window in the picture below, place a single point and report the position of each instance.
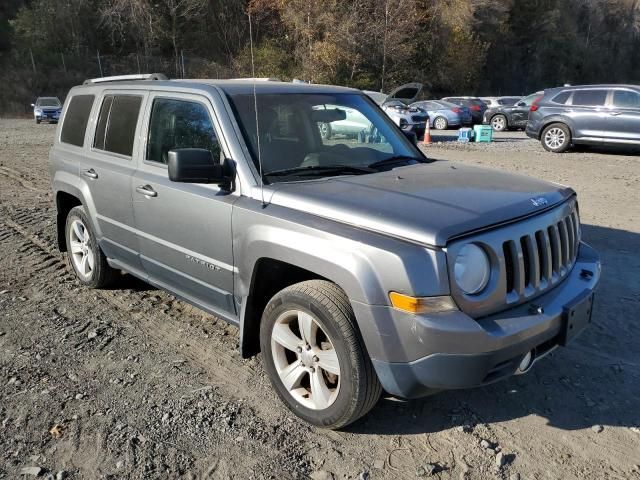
(75, 120)
(116, 128)
(101, 128)
(589, 98)
(626, 99)
(179, 124)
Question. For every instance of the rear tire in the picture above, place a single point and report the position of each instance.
(83, 253)
(499, 123)
(315, 357)
(556, 138)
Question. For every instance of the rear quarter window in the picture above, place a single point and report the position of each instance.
(75, 120)
(561, 98)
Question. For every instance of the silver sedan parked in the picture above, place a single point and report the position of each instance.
(443, 115)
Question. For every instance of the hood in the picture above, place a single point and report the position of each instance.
(407, 93)
(425, 203)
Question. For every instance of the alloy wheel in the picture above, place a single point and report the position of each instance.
(81, 249)
(305, 359)
(555, 138)
(498, 123)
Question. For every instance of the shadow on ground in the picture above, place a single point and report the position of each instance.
(594, 381)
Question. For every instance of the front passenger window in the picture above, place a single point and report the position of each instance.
(179, 124)
(626, 99)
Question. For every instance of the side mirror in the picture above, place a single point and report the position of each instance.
(195, 165)
(521, 104)
(411, 136)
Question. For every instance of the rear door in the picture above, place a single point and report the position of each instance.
(108, 168)
(587, 112)
(623, 116)
(184, 229)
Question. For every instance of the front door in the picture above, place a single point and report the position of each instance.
(623, 117)
(184, 229)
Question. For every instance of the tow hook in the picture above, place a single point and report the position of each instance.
(586, 274)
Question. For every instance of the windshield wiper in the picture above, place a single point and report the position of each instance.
(320, 170)
(396, 159)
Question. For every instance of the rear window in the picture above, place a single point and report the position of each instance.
(117, 122)
(561, 98)
(589, 98)
(626, 99)
(75, 120)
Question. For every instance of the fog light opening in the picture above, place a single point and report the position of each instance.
(526, 363)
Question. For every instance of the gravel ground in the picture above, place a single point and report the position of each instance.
(131, 383)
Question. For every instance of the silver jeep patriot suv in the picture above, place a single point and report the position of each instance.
(353, 267)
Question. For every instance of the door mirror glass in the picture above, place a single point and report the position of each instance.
(194, 165)
(521, 104)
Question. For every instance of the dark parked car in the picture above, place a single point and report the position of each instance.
(474, 104)
(505, 117)
(588, 114)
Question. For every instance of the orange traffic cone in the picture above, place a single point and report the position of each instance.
(427, 135)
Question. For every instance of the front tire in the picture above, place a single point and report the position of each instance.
(556, 138)
(315, 357)
(83, 253)
(440, 123)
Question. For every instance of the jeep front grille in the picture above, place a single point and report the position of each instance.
(527, 258)
(537, 260)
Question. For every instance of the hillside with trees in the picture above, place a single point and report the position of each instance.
(452, 46)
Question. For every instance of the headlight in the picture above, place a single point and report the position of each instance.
(472, 269)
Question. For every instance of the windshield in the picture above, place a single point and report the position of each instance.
(323, 134)
(48, 102)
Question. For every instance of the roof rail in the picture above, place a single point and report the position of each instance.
(124, 78)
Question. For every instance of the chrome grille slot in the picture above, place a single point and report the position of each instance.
(509, 268)
(564, 241)
(529, 257)
(554, 240)
(544, 257)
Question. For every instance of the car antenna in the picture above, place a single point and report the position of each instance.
(255, 105)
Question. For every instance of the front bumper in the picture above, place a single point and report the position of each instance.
(420, 354)
(52, 117)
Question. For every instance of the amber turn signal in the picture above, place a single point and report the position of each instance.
(410, 304)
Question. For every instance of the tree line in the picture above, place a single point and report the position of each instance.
(488, 47)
